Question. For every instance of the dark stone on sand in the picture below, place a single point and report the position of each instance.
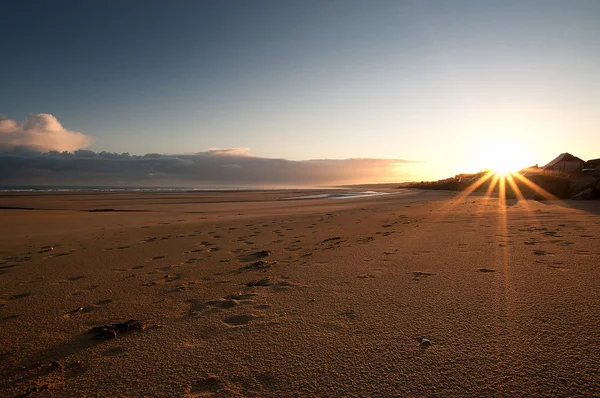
(111, 331)
(257, 265)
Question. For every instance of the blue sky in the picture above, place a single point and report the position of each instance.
(431, 81)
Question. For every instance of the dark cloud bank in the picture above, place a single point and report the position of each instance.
(41, 152)
(214, 168)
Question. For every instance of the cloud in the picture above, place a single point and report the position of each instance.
(215, 167)
(40, 132)
(228, 152)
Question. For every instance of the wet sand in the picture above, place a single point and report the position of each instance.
(243, 294)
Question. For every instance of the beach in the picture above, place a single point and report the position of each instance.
(269, 293)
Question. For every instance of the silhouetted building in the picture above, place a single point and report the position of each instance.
(564, 163)
(593, 163)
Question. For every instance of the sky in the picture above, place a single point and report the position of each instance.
(430, 88)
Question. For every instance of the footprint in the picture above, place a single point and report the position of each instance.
(259, 282)
(9, 317)
(210, 384)
(552, 233)
(75, 278)
(238, 320)
(241, 296)
(486, 270)
(366, 276)
(566, 243)
(352, 315)
(418, 275)
(365, 240)
(19, 296)
(335, 239)
(557, 267)
(115, 352)
(170, 278)
(223, 304)
(79, 311)
(61, 254)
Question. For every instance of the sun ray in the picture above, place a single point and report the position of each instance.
(464, 194)
(502, 193)
(514, 186)
(475, 185)
(545, 194)
(490, 189)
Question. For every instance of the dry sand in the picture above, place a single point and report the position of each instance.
(417, 294)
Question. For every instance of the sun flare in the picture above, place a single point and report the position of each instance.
(502, 157)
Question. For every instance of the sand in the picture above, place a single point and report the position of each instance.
(242, 294)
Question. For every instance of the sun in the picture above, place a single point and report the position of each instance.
(504, 168)
(502, 157)
(499, 164)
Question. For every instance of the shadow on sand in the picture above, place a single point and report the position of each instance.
(588, 206)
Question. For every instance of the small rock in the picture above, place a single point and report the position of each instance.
(110, 331)
(259, 265)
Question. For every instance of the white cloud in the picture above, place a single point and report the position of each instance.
(229, 151)
(40, 132)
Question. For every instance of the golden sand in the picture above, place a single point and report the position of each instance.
(243, 294)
